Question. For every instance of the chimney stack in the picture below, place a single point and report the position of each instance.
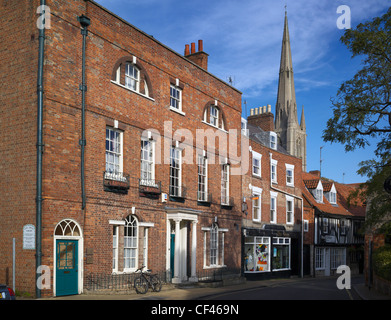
(187, 50)
(200, 57)
(262, 117)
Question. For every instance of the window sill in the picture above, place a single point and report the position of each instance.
(177, 111)
(215, 266)
(126, 88)
(211, 125)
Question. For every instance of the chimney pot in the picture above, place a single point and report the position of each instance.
(269, 108)
(264, 109)
(251, 112)
(193, 47)
(187, 50)
(200, 45)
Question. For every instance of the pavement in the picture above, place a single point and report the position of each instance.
(196, 292)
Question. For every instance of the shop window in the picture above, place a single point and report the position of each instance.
(257, 254)
(281, 253)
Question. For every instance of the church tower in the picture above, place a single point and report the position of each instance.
(291, 135)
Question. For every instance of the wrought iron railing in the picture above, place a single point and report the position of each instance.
(116, 182)
(150, 186)
(117, 282)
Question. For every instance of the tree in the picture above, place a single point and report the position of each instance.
(362, 109)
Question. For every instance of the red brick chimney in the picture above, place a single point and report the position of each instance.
(200, 57)
(262, 117)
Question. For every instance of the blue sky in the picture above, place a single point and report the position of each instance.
(243, 40)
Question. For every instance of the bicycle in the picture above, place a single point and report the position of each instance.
(146, 280)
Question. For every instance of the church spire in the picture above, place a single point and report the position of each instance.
(291, 134)
(286, 95)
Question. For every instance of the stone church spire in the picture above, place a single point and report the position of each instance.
(292, 135)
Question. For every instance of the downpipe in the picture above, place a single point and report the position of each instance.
(38, 214)
(84, 22)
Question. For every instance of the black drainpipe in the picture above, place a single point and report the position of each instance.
(84, 22)
(38, 199)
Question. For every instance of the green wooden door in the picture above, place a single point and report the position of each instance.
(66, 267)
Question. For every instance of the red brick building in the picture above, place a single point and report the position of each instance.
(158, 189)
(271, 227)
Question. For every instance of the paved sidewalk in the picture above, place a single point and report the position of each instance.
(171, 292)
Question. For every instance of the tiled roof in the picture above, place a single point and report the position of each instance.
(343, 190)
(311, 184)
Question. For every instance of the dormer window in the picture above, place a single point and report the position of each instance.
(273, 140)
(331, 194)
(318, 192)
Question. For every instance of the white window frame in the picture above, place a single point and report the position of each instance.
(115, 247)
(291, 212)
(114, 169)
(244, 126)
(148, 162)
(290, 178)
(306, 226)
(320, 255)
(273, 140)
(132, 77)
(130, 244)
(256, 157)
(255, 242)
(282, 241)
(273, 211)
(332, 195)
(214, 115)
(214, 245)
(176, 165)
(273, 172)
(257, 210)
(225, 173)
(318, 192)
(220, 246)
(145, 248)
(176, 99)
(202, 193)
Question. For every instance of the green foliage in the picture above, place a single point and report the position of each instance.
(382, 262)
(362, 110)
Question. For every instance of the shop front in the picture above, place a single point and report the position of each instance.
(268, 253)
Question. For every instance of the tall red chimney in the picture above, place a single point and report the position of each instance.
(187, 50)
(200, 57)
(200, 45)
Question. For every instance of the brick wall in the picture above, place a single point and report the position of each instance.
(109, 40)
(18, 130)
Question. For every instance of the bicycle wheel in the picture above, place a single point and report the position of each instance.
(156, 283)
(141, 285)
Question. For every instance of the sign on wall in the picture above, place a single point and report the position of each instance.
(29, 236)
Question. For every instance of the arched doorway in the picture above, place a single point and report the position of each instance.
(68, 262)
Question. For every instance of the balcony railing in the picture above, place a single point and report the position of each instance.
(117, 182)
(150, 186)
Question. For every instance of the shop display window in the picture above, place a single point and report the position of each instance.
(281, 253)
(257, 254)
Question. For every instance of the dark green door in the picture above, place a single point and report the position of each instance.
(66, 267)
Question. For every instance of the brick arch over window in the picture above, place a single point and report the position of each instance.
(222, 123)
(144, 78)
